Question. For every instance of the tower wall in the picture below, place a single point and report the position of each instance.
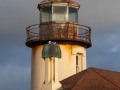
(37, 68)
(66, 64)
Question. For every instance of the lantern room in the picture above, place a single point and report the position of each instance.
(58, 12)
(59, 23)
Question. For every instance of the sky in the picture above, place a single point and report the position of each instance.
(103, 16)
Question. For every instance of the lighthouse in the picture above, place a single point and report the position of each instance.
(58, 44)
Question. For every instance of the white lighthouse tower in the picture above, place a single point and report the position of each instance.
(58, 44)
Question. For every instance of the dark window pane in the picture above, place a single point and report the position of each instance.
(77, 60)
(46, 14)
(73, 15)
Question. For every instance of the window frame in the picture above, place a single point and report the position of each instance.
(65, 14)
(76, 15)
(50, 14)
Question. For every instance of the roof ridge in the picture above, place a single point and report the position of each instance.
(94, 69)
(83, 74)
(84, 71)
(81, 77)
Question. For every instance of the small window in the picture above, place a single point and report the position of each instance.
(73, 15)
(76, 60)
(77, 67)
(46, 14)
(79, 62)
(60, 13)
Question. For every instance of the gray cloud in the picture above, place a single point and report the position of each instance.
(100, 13)
(15, 61)
(14, 78)
(14, 67)
(105, 50)
(15, 15)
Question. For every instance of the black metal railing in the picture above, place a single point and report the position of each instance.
(58, 31)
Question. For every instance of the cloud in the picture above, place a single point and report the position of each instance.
(15, 58)
(15, 16)
(105, 50)
(14, 78)
(14, 67)
(97, 13)
(115, 49)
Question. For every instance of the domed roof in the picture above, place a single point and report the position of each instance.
(51, 50)
(70, 2)
(62, 1)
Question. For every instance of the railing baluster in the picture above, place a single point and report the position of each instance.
(67, 31)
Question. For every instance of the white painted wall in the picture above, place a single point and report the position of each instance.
(66, 64)
(37, 68)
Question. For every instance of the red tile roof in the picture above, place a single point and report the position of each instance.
(93, 79)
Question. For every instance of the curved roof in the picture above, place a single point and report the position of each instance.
(51, 50)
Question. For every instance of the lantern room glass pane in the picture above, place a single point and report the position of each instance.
(46, 14)
(73, 15)
(60, 13)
